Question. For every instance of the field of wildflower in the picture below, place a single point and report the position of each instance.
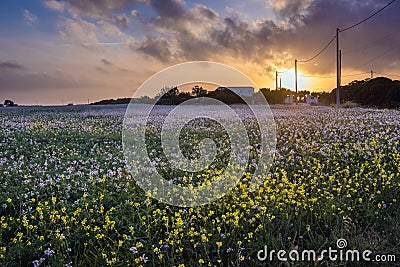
(67, 199)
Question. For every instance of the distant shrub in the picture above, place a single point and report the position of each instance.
(349, 104)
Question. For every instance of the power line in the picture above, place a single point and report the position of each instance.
(281, 72)
(369, 45)
(376, 57)
(356, 74)
(320, 52)
(348, 75)
(330, 77)
(364, 20)
(339, 54)
(316, 76)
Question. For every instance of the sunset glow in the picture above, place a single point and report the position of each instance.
(54, 52)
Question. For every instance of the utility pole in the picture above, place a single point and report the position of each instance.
(280, 83)
(276, 80)
(338, 69)
(372, 74)
(295, 79)
(340, 66)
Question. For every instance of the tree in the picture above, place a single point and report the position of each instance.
(226, 96)
(378, 92)
(170, 91)
(275, 96)
(169, 96)
(198, 91)
(9, 103)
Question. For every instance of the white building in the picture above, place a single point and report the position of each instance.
(242, 91)
(311, 99)
(289, 99)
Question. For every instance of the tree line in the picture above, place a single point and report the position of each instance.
(378, 92)
(172, 96)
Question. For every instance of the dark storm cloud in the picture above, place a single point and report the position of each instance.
(8, 65)
(112, 11)
(319, 26)
(200, 34)
(199, 16)
(291, 11)
(107, 8)
(309, 26)
(238, 37)
(176, 33)
(291, 8)
(168, 8)
(184, 34)
(155, 47)
(97, 8)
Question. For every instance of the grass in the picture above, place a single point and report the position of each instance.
(67, 199)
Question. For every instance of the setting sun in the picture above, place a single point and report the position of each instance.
(288, 80)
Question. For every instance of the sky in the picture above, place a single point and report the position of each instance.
(72, 51)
